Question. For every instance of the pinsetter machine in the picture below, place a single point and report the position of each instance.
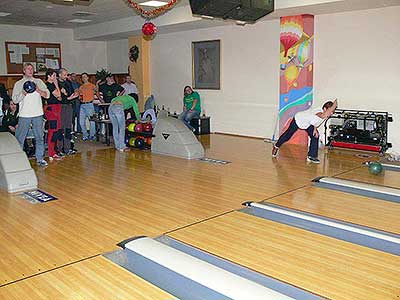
(358, 129)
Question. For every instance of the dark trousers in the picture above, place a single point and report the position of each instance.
(66, 128)
(75, 116)
(312, 149)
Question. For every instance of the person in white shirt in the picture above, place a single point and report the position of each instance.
(130, 87)
(31, 111)
(308, 120)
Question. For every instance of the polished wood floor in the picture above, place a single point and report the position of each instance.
(106, 197)
(374, 213)
(328, 267)
(387, 178)
(93, 279)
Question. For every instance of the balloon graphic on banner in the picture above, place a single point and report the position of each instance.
(304, 52)
(291, 74)
(291, 31)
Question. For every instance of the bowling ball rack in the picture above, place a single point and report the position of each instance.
(144, 134)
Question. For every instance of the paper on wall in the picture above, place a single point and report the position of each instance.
(51, 51)
(12, 47)
(40, 51)
(52, 63)
(15, 58)
(24, 49)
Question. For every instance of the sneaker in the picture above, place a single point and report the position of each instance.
(85, 139)
(42, 163)
(92, 138)
(55, 157)
(313, 160)
(61, 154)
(71, 152)
(275, 151)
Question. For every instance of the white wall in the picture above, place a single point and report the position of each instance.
(356, 60)
(77, 56)
(117, 56)
(248, 100)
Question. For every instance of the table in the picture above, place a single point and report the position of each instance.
(108, 130)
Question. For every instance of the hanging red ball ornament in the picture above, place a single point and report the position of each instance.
(149, 29)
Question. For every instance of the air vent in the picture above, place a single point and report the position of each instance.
(71, 2)
(83, 14)
(46, 23)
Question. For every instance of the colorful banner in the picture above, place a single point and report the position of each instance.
(296, 70)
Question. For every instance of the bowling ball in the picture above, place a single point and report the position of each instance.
(29, 87)
(375, 168)
(131, 127)
(139, 127)
(139, 142)
(148, 127)
(132, 142)
(148, 141)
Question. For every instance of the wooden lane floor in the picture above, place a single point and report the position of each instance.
(370, 212)
(106, 197)
(253, 156)
(91, 279)
(386, 178)
(328, 267)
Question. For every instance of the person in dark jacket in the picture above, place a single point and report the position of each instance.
(10, 119)
(4, 98)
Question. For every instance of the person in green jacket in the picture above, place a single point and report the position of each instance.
(117, 116)
(191, 106)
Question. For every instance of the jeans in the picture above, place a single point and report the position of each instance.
(187, 116)
(86, 111)
(117, 117)
(312, 149)
(24, 125)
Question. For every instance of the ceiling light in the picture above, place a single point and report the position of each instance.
(241, 23)
(79, 21)
(4, 14)
(153, 3)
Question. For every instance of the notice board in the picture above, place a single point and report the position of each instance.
(43, 56)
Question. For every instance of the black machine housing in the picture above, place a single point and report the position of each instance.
(247, 11)
(357, 128)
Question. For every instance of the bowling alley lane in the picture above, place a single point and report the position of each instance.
(351, 208)
(386, 177)
(326, 266)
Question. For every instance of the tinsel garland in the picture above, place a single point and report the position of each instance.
(154, 12)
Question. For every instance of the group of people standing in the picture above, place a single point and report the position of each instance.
(66, 105)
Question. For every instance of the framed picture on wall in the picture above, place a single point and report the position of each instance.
(206, 64)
